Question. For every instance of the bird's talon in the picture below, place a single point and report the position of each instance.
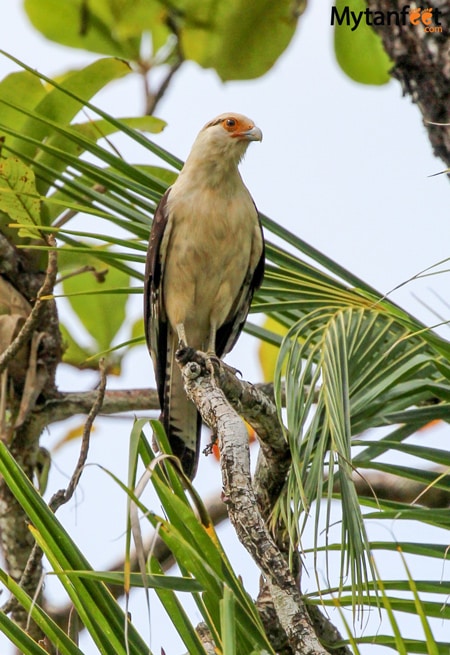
(208, 449)
(231, 369)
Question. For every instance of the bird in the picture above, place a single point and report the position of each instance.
(204, 261)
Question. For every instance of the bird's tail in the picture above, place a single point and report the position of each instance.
(181, 419)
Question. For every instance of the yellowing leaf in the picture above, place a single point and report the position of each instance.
(18, 196)
(268, 354)
(71, 435)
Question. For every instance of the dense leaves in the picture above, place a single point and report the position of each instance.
(240, 40)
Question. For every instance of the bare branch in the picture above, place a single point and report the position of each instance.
(422, 66)
(115, 401)
(259, 410)
(397, 488)
(152, 99)
(202, 388)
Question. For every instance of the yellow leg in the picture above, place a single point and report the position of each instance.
(212, 341)
(182, 342)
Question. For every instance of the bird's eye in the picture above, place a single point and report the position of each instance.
(230, 122)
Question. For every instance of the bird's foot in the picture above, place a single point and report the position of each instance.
(184, 354)
(182, 341)
(209, 448)
(229, 369)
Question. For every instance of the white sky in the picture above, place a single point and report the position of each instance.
(343, 165)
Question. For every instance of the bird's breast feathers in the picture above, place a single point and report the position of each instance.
(212, 241)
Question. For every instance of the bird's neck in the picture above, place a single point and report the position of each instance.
(212, 172)
(214, 166)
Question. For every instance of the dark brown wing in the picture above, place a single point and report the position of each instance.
(179, 416)
(154, 315)
(228, 334)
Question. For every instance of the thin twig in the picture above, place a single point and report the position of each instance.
(79, 271)
(152, 99)
(32, 320)
(64, 495)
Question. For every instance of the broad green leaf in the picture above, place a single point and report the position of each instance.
(102, 315)
(62, 108)
(166, 156)
(359, 50)
(18, 196)
(239, 39)
(86, 25)
(75, 354)
(25, 88)
(97, 129)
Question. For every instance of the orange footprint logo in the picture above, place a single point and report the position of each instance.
(427, 16)
(414, 16)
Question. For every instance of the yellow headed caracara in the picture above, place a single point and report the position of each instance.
(205, 259)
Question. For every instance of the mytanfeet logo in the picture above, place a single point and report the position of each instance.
(428, 17)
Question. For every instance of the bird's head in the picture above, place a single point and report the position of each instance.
(225, 139)
(230, 126)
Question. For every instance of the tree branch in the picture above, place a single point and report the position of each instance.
(69, 403)
(422, 66)
(32, 320)
(202, 388)
(258, 409)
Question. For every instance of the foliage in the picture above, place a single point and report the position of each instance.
(352, 362)
(240, 40)
(359, 50)
(206, 573)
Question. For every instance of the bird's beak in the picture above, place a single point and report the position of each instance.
(253, 134)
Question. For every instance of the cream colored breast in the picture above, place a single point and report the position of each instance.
(208, 255)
